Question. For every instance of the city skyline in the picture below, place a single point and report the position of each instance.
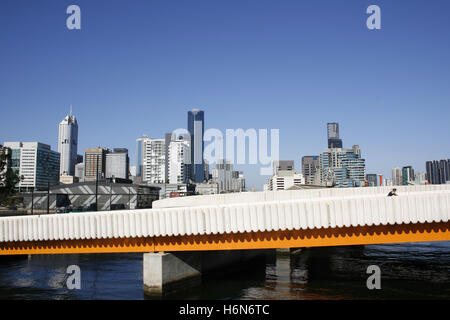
(260, 77)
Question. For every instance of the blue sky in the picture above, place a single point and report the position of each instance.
(137, 67)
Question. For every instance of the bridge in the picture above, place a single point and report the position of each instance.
(203, 233)
(252, 220)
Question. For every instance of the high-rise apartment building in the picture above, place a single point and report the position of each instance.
(342, 167)
(397, 177)
(151, 160)
(95, 163)
(68, 144)
(333, 135)
(178, 159)
(196, 128)
(36, 162)
(310, 169)
(117, 164)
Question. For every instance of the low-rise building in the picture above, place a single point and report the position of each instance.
(284, 180)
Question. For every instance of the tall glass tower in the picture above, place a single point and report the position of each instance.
(333, 135)
(68, 144)
(196, 128)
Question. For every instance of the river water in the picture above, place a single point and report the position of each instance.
(408, 271)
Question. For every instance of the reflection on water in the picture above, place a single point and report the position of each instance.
(408, 271)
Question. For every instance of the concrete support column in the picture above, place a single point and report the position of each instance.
(165, 273)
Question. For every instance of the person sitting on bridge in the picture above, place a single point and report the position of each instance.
(393, 193)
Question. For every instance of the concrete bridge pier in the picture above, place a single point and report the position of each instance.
(168, 272)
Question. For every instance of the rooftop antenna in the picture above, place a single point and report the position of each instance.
(70, 110)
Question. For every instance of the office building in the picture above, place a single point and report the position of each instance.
(168, 137)
(206, 188)
(221, 174)
(79, 170)
(68, 144)
(196, 128)
(283, 165)
(36, 162)
(310, 169)
(117, 164)
(95, 163)
(333, 135)
(372, 180)
(420, 178)
(407, 175)
(140, 157)
(207, 174)
(66, 179)
(237, 181)
(438, 172)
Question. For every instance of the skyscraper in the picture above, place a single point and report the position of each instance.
(407, 175)
(438, 172)
(333, 135)
(196, 128)
(68, 144)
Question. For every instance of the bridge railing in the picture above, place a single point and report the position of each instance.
(249, 197)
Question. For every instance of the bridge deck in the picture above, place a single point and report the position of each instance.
(304, 222)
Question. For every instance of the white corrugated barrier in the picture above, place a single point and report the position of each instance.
(328, 208)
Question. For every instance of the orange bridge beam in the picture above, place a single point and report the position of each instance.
(255, 240)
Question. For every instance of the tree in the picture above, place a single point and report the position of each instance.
(8, 177)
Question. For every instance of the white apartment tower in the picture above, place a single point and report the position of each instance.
(151, 160)
(179, 157)
(396, 176)
(67, 144)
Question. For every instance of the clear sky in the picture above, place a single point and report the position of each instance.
(137, 67)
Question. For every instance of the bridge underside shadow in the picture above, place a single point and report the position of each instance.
(418, 232)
